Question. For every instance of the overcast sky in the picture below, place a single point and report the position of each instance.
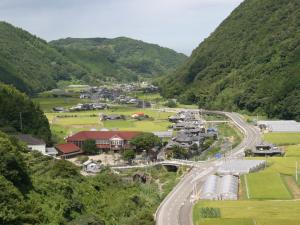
(177, 24)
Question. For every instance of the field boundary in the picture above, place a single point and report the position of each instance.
(247, 188)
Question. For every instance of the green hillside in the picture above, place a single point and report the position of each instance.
(120, 58)
(14, 106)
(251, 61)
(30, 64)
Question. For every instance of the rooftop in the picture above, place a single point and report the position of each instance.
(102, 135)
(30, 140)
(67, 148)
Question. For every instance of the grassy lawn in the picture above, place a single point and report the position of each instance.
(265, 185)
(282, 138)
(249, 212)
(231, 132)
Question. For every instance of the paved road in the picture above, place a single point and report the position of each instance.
(176, 209)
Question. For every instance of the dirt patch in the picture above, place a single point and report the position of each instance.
(293, 187)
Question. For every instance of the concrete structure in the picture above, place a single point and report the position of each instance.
(32, 142)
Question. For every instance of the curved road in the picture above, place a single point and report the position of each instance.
(176, 208)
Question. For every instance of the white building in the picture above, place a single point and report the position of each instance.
(90, 166)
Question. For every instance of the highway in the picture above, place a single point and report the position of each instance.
(176, 208)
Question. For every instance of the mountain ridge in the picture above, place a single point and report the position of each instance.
(32, 65)
(250, 62)
(120, 57)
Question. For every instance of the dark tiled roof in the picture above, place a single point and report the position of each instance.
(30, 140)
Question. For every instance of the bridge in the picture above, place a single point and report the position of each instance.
(172, 162)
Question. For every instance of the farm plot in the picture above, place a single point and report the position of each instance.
(272, 212)
(282, 138)
(266, 185)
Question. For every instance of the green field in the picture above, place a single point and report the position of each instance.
(47, 104)
(250, 212)
(265, 185)
(282, 138)
(66, 123)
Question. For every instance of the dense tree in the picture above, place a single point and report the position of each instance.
(251, 62)
(31, 64)
(146, 141)
(178, 152)
(19, 114)
(170, 104)
(12, 165)
(89, 147)
(119, 58)
(129, 155)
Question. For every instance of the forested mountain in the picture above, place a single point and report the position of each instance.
(19, 114)
(33, 65)
(251, 61)
(121, 58)
(30, 63)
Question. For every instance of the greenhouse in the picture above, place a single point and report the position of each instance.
(239, 167)
(228, 188)
(220, 188)
(210, 188)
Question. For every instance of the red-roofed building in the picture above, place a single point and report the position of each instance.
(105, 140)
(67, 150)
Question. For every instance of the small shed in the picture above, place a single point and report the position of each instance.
(90, 166)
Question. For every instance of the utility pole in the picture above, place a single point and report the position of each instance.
(297, 171)
(21, 122)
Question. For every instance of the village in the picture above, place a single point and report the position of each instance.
(187, 136)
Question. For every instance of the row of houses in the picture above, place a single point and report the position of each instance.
(190, 130)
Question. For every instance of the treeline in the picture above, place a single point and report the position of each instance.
(251, 62)
(18, 114)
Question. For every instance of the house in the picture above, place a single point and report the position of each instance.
(137, 115)
(113, 117)
(32, 142)
(105, 140)
(67, 150)
(267, 150)
(90, 166)
(58, 109)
